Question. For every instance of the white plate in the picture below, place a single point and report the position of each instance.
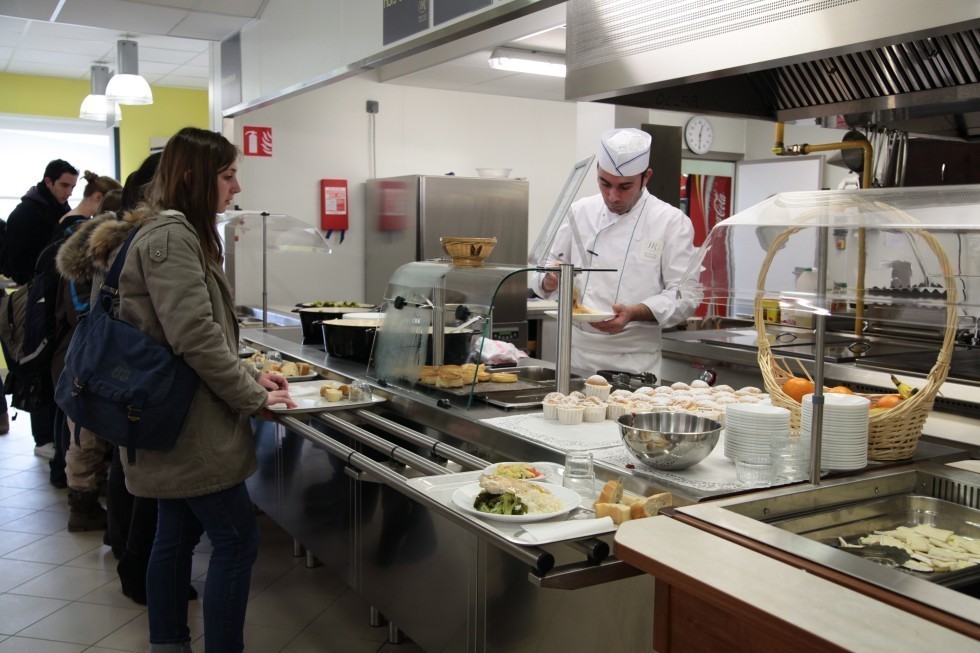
(302, 377)
(584, 317)
(463, 498)
(543, 469)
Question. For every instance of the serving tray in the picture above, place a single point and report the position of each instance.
(314, 403)
(442, 488)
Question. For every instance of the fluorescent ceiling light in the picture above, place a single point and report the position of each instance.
(95, 106)
(528, 61)
(127, 86)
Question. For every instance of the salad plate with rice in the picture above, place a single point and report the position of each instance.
(514, 500)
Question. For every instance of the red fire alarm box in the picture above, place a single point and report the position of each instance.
(333, 204)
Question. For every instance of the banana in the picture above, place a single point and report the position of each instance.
(904, 389)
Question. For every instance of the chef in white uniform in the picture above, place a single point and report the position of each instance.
(650, 245)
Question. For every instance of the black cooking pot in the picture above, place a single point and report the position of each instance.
(354, 339)
(310, 315)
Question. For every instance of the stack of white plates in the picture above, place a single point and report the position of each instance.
(748, 428)
(845, 430)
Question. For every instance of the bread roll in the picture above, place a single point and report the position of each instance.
(332, 394)
(289, 369)
(650, 506)
(304, 369)
(503, 377)
(449, 378)
(344, 390)
(612, 492)
(618, 511)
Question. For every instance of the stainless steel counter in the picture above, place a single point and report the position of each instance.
(338, 484)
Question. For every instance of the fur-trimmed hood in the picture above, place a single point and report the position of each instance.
(92, 247)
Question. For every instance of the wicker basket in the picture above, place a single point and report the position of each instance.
(894, 433)
(468, 252)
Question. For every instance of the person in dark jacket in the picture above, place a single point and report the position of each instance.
(32, 223)
(29, 229)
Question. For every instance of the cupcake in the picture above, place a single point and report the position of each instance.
(576, 395)
(597, 386)
(593, 412)
(616, 409)
(571, 414)
(620, 393)
(680, 386)
(550, 404)
(663, 390)
(698, 383)
(724, 388)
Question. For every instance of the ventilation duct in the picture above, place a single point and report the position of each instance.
(882, 62)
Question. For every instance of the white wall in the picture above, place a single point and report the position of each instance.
(325, 134)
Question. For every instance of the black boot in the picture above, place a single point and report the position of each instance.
(85, 511)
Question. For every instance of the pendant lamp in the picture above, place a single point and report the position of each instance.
(95, 106)
(127, 86)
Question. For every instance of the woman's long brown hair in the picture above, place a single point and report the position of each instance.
(186, 180)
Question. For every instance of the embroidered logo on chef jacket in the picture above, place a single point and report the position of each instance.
(652, 249)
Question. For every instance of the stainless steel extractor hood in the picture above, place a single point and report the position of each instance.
(910, 65)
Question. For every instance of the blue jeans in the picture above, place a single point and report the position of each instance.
(229, 520)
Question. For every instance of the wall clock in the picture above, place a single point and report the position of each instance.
(699, 134)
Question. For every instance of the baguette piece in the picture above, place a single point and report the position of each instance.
(629, 498)
(612, 492)
(650, 506)
(618, 511)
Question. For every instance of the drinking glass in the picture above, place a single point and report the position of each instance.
(579, 475)
(790, 453)
(754, 469)
(359, 391)
(272, 356)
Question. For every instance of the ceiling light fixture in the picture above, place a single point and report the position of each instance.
(127, 86)
(528, 61)
(95, 106)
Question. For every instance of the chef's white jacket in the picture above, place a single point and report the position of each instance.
(650, 248)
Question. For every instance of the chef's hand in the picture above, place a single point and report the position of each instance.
(549, 283)
(624, 315)
(273, 381)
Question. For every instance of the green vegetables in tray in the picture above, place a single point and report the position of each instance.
(319, 304)
(500, 504)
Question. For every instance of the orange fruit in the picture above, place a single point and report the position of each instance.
(841, 389)
(888, 401)
(796, 387)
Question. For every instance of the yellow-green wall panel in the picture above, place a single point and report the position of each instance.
(172, 109)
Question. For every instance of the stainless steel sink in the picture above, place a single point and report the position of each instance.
(805, 521)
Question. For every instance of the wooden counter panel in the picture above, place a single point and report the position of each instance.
(715, 595)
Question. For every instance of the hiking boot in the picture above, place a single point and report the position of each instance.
(85, 512)
(4, 423)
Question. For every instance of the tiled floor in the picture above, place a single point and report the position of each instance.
(59, 592)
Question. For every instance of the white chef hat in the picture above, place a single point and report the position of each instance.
(624, 152)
